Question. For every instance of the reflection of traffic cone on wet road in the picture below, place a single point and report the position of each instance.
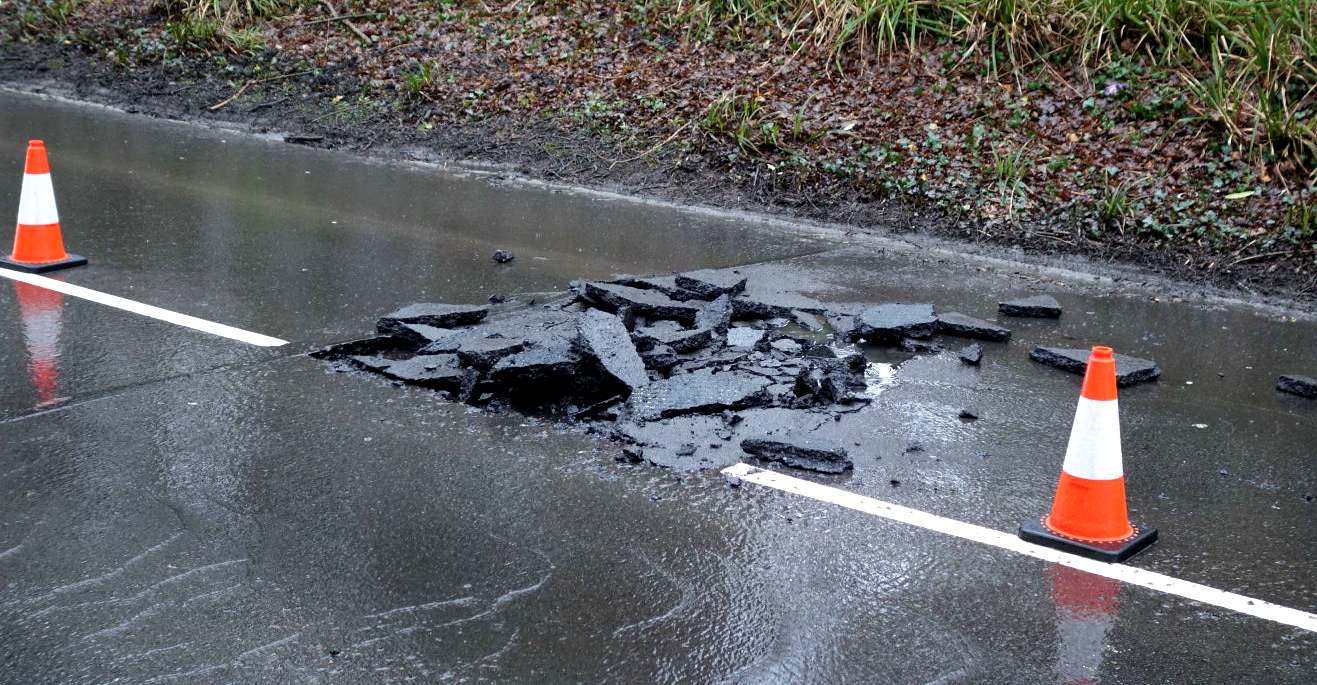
(1088, 515)
(1086, 606)
(41, 310)
(38, 244)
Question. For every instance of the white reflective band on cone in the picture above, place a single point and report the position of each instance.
(36, 203)
(1094, 449)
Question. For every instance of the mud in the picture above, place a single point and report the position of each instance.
(305, 109)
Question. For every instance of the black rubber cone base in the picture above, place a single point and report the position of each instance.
(1110, 552)
(42, 267)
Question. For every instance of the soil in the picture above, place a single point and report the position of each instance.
(306, 108)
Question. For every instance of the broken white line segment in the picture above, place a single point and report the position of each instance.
(1006, 541)
(144, 309)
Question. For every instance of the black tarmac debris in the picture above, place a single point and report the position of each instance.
(1037, 306)
(504, 256)
(1303, 386)
(971, 354)
(687, 371)
(955, 323)
(893, 322)
(800, 454)
(1129, 370)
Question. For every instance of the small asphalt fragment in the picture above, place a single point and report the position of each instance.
(1303, 386)
(1129, 370)
(503, 256)
(971, 354)
(1036, 306)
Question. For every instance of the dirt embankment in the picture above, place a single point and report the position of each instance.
(367, 100)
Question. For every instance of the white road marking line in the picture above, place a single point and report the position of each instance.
(144, 309)
(968, 531)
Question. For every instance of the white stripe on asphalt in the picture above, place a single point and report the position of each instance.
(1006, 541)
(145, 309)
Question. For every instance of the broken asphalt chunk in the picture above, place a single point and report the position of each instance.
(660, 358)
(699, 392)
(710, 283)
(1303, 386)
(483, 353)
(715, 316)
(1037, 306)
(971, 354)
(671, 334)
(650, 304)
(1129, 370)
(431, 314)
(799, 453)
(503, 256)
(891, 322)
(550, 360)
(437, 372)
(955, 323)
(604, 337)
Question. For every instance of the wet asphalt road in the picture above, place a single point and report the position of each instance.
(176, 507)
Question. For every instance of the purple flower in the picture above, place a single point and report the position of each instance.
(1112, 88)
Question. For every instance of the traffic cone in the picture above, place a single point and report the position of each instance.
(1086, 607)
(42, 311)
(1088, 516)
(38, 245)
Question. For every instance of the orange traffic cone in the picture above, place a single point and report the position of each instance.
(38, 245)
(1088, 516)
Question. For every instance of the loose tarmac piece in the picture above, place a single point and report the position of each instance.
(1038, 307)
(1303, 386)
(1129, 370)
(955, 323)
(795, 453)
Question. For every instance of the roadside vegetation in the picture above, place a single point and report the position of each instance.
(1185, 130)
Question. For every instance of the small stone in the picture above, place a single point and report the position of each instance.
(968, 415)
(971, 354)
(914, 446)
(1037, 306)
(799, 453)
(892, 322)
(503, 256)
(1303, 386)
(955, 323)
(686, 450)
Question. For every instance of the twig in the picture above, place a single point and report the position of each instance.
(346, 22)
(223, 103)
(267, 104)
(651, 150)
(1251, 258)
(341, 17)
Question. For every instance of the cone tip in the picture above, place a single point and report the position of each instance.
(36, 143)
(1102, 352)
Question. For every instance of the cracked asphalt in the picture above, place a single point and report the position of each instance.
(178, 508)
